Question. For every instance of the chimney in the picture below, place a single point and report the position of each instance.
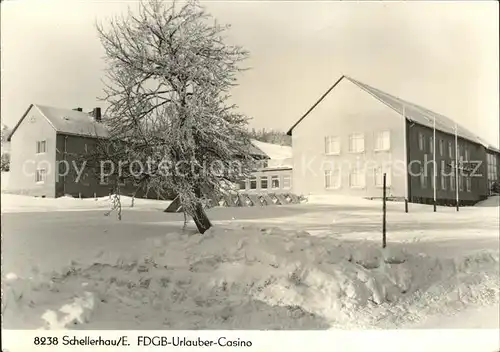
(97, 114)
(78, 109)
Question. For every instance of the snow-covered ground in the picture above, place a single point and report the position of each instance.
(13, 203)
(322, 269)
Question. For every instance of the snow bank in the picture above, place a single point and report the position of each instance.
(18, 203)
(250, 278)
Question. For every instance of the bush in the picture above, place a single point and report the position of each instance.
(495, 187)
(5, 162)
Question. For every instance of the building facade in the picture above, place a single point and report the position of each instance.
(48, 146)
(355, 133)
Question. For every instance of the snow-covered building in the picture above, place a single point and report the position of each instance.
(45, 138)
(355, 133)
(274, 173)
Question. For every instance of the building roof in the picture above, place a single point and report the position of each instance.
(67, 121)
(412, 112)
(274, 151)
(79, 123)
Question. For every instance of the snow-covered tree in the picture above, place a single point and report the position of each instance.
(169, 74)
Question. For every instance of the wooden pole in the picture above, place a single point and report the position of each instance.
(456, 168)
(434, 168)
(405, 159)
(384, 211)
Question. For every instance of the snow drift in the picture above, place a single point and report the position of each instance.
(250, 278)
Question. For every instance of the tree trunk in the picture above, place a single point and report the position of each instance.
(201, 219)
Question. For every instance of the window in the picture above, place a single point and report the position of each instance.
(379, 177)
(332, 179)
(468, 184)
(41, 147)
(431, 144)
(443, 181)
(121, 180)
(459, 153)
(242, 184)
(453, 182)
(492, 167)
(105, 172)
(421, 141)
(356, 143)
(461, 183)
(104, 179)
(86, 148)
(467, 154)
(450, 149)
(287, 181)
(423, 179)
(357, 178)
(275, 182)
(441, 147)
(383, 141)
(263, 182)
(253, 182)
(40, 175)
(332, 145)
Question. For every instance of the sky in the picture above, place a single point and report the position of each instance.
(441, 55)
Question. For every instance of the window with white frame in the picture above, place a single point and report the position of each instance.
(379, 176)
(40, 175)
(383, 141)
(431, 144)
(468, 184)
(253, 182)
(453, 182)
(467, 154)
(461, 183)
(357, 178)
(41, 147)
(443, 182)
(423, 178)
(332, 179)
(332, 145)
(441, 147)
(357, 143)
(421, 141)
(263, 182)
(275, 182)
(287, 181)
(450, 149)
(492, 167)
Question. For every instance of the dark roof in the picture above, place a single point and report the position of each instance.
(67, 121)
(412, 112)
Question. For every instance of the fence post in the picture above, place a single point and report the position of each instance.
(384, 211)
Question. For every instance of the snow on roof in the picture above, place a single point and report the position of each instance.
(411, 111)
(67, 121)
(274, 151)
(73, 122)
